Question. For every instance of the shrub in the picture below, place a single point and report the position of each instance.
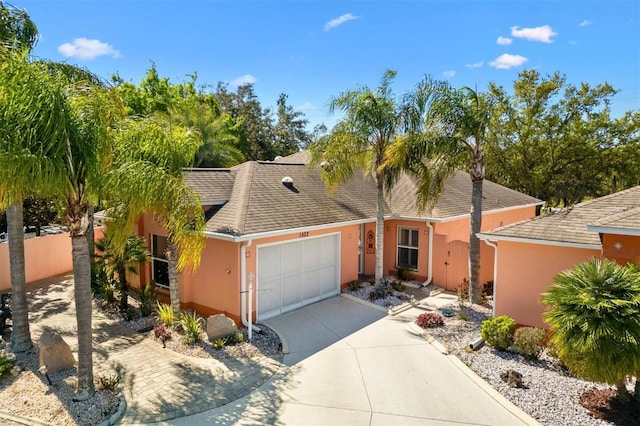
(165, 314)
(148, 296)
(190, 323)
(354, 285)
(130, 314)
(430, 320)
(397, 285)
(463, 315)
(219, 343)
(463, 291)
(5, 366)
(109, 383)
(487, 289)
(530, 341)
(404, 273)
(498, 331)
(161, 332)
(372, 280)
(108, 291)
(238, 338)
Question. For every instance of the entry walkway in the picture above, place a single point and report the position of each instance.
(349, 364)
(159, 384)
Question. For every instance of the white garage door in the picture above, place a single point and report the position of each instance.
(297, 273)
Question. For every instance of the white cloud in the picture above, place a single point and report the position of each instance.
(449, 74)
(475, 65)
(339, 21)
(85, 48)
(504, 41)
(506, 61)
(585, 23)
(243, 79)
(543, 33)
(307, 106)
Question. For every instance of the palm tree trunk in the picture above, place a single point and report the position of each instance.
(90, 234)
(20, 334)
(623, 393)
(477, 177)
(124, 288)
(82, 286)
(174, 294)
(379, 228)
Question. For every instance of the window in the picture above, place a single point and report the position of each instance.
(408, 248)
(160, 267)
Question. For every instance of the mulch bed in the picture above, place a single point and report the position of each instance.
(604, 404)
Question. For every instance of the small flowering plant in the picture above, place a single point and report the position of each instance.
(162, 333)
(430, 320)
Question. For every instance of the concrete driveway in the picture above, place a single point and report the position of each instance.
(350, 364)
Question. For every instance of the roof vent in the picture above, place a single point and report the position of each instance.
(278, 158)
(287, 180)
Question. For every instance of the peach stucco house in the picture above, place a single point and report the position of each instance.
(273, 226)
(530, 253)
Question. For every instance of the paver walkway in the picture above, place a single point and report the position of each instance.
(159, 384)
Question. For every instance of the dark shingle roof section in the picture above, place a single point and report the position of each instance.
(627, 220)
(262, 203)
(257, 200)
(570, 225)
(213, 185)
(455, 200)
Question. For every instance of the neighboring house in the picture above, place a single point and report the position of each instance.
(274, 226)
(530, 253)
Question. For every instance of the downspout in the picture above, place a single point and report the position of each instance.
(430, 258)
(244, 315)
(495, 271)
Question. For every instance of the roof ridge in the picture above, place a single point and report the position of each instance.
(245, 194)
(605, 197)
(206, 169)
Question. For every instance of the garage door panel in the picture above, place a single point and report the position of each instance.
(291, 275)
(297, 273)
(270, 280)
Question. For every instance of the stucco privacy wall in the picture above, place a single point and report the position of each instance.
(451, 246)
(45, 257)
(525, 271)
(622, 248)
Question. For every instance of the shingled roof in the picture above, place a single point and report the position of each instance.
(570, 225)
(251, 198)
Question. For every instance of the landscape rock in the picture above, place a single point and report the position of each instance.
(512, 378)
(55, 353)
(220, 325)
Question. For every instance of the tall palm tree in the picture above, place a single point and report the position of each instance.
(463, 116)
(154, 152)
(121, 261)
(594, 315)
(18, 35)
(31, 111)
(359, 141)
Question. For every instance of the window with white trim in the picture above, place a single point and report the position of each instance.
(160, 265)
(407, 248)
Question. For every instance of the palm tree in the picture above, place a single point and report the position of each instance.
(594, 315)
(360, 140)
(467, 114)
(121, 261)
(18, 89)
(153, 153)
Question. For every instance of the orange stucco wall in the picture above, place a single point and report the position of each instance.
(450, 246)
(45, 257)
(622, 248)
(525, 271)
(215, 286)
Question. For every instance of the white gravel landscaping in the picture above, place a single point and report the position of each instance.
(551, 395)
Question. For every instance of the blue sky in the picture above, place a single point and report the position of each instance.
(313, 50)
